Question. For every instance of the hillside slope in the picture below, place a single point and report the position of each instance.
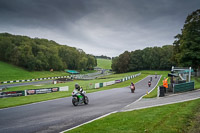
(104, 63)
(11, 72)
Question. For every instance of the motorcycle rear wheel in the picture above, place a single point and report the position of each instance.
(86, 100)
(75, 101)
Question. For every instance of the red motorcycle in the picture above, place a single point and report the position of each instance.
(149, 83)
(132, 88)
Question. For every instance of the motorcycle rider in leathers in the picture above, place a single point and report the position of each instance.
(79, 89)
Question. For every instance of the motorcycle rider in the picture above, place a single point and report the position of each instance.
(79, 89)
(132, 85)
(149, 83)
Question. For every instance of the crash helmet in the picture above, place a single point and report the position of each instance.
(77, 86)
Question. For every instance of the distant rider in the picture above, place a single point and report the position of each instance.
(149, 83)
(132, 85)
(79, 89)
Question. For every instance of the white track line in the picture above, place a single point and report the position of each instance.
(156, 85)
(89, 121)
(41, 102)
(144, 94)
(152, 88)
(130, 110)
(98, 117)
(161, 104)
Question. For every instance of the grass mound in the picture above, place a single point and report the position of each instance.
(10, 72)
(172, 118)
(104, 63)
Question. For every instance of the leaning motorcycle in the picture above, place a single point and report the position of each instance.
(132, 88)
(149, 83)
(77, 98)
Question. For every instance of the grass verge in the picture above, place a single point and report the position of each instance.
(83, 83)
(196, 82)
(10, 72)
(88, 71)
(104, 63)
(172, 118)
(15, 101)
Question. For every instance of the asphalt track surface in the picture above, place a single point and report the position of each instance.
(58, 115)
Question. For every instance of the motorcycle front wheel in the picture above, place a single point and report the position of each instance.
(86, 101)
(75, 101)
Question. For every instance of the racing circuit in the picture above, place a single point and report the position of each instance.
(59, 115)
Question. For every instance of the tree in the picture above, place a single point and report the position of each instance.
(114, 65)
(147, 58)
(42, 54)
(166, 61)
(123, 62)
(5, 48)
(136, 60)
(83, 63)
(91, 62)
(187, 44)
(153, 58)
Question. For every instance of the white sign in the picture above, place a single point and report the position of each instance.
(65, 88)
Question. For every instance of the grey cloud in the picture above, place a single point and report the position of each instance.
(98, 26)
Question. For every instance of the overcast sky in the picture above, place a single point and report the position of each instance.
(99, 27)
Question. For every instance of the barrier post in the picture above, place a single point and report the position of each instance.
(158, 91)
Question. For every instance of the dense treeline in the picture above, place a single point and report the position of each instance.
(184, 52)
(42, 54)
(187, 44)
(103, 57)
(156, 58)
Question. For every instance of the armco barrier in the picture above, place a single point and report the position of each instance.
(33, 91)
(27, 80)
(42, 91)
(110, 83)
(12, 94)
(117, 81)
(99, 85)
(65, 88)
(184, 87)
(104, 84)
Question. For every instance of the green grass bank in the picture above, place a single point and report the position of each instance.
(15, 101)
(175, 118)
(104, 63)
(10, 72)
